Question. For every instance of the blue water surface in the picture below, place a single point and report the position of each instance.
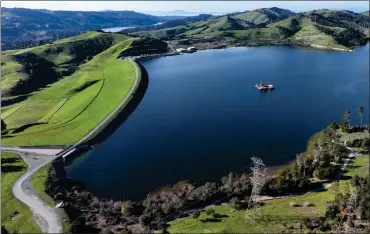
(202, 117)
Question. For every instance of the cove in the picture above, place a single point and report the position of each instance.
(201, 116)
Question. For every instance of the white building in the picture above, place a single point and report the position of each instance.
(180, 50)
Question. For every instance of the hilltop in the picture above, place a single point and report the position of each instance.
(21, 27)
(341, 30)
(55, 93)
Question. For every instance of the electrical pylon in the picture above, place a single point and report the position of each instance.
(254, 210)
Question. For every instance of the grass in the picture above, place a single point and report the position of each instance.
(253, 17)
(93, 91)
(359, 167)
(15, 215)
(278, 215)
(311, 35)
(352, 136)
(38, 180)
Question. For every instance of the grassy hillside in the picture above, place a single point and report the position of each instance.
(322, 28)
(209, 26)
(21, 27)
(15, 216)
(71, 103)
(25, 71)
(366, 13)
(264, 15)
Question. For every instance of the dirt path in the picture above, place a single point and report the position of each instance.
(45, 216)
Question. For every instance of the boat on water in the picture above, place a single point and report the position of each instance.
(264, 87)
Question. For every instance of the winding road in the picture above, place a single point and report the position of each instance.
(45, 216)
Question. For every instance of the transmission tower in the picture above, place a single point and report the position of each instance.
(352, 202)
(258, 180)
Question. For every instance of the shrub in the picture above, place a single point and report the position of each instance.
(324, 172)
(196, 214)
(210, 211)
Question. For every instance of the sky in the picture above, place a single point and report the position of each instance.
(157, 7)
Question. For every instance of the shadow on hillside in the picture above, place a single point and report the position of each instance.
(210, 220)
(9, 160)
(13, 100)
(125, 113)
(11, 168)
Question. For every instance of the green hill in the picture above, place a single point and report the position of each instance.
(264, 15)
(23, 25)
(25, 71)
(54, 94)
(366, 13)
(322, 28)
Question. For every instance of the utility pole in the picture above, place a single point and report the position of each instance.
(254, 211)
(352, 203)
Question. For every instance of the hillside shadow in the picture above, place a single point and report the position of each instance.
(9, 160)
(126, 112)
(210, 220)
(220, 216)
(13, 100)
(24, 127)
(11, 168)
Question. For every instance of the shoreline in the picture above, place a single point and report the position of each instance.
(246, 45)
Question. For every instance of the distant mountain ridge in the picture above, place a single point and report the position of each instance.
(322, 28)
(26, 27)
(21, 24)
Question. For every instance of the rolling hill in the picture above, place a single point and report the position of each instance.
(20, 24)
(55, 93)
(264, 15)
(320, 28)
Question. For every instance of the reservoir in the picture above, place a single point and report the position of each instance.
(201, 116)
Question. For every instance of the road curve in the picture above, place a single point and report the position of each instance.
(45, 216)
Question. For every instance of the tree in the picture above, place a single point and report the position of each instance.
(3, 229)
(196, 214)
(347, 117)
(361, 112)
(210, 211)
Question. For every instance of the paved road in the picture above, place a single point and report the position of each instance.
(40, 150)
(45, 216)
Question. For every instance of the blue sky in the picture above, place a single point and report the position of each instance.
(191, 6)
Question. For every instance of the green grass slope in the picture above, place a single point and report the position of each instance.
(264, 15)
(15, 216)
(322, 28)
(366, 13)
(66, 110)
(209, 26)
(28, 70)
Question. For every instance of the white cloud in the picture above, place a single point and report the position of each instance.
(193, 6)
